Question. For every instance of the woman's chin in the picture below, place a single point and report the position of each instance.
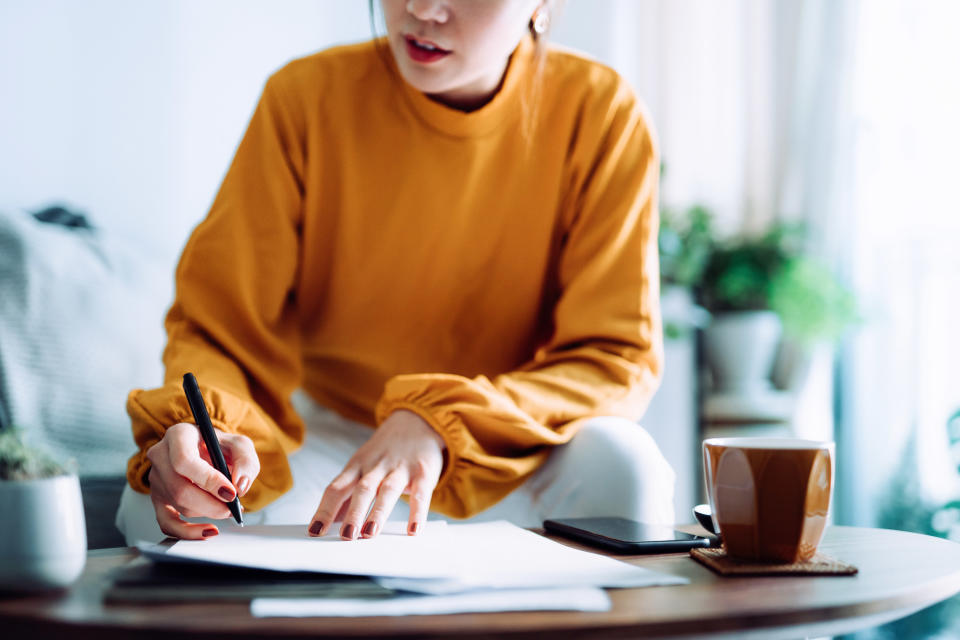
(426, 81)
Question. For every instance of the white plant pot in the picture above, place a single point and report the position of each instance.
(740, 348)
(44, 539)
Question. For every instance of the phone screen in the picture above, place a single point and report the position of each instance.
(620, 534)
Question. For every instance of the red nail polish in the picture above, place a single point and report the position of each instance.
(209, 532)
(225, 493)
(413, 528)
(369, 528)
(348, 531)
(316, 528)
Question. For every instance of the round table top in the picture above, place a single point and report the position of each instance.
(899, 573)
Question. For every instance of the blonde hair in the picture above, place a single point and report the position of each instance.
(530, 100)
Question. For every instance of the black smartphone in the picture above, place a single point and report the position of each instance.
(625, 536)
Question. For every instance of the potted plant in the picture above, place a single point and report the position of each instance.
(758, 289)
(44, 543)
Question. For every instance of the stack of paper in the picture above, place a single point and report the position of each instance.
(441, 561)
(584, 599)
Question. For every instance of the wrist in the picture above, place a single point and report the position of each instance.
(413, 418)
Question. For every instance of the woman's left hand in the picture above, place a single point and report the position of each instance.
(403, 457)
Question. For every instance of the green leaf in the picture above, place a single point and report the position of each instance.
(811, 302)
(685, 242)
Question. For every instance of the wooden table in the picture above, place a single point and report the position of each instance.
(900, 573)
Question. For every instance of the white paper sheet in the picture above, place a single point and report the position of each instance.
(583, 599)
(440, 560)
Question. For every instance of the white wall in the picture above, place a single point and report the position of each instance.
(132, 110)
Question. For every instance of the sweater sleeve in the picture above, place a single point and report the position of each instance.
(234, 317)
(605, 353)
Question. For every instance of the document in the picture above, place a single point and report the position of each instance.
(582, 599)
(440, 560)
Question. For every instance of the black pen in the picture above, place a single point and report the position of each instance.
(199, 409)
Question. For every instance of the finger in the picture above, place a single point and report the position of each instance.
(183, 449)
(342, 513)
(192, 501)
(363, 494)
(242, 459)
(169, 487)
(336, 493)
(387, 495)
(421, 490)
(172, 525)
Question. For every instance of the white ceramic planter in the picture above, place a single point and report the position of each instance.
(43, 539)
(740, 348)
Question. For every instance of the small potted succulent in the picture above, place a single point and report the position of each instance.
(44, 542)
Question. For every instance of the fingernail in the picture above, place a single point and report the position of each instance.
(316, 528)
(243, 485)
(369, 528)
(209, 532)
(225, 493)
(413, 528)
(348, 531)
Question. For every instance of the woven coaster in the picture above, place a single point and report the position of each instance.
(819, 565)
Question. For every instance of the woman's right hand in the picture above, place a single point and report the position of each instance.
(184, 483)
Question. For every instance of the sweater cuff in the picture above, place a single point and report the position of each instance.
(412, 394)
(139, 465)
(153, 411)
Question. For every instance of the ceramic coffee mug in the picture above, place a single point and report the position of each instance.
(770, 496)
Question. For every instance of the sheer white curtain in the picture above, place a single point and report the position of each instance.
(904, 364)
(708, 70)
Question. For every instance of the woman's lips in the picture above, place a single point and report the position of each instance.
(424, 51)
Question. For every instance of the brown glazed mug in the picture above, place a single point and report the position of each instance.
(770, 496)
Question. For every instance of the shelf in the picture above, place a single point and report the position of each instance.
(759, 407)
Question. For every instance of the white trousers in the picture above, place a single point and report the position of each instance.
(612, 467)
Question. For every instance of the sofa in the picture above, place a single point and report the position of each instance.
(81, 314)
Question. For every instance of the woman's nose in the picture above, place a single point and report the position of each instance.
(429, 10)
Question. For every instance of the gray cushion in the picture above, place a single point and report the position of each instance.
(80, 325)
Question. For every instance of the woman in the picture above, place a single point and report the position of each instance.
(448, 235)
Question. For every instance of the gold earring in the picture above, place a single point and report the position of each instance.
(541, 21)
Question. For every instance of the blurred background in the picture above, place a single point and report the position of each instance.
(811, 219)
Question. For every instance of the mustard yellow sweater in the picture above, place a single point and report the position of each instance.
(494, 272)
